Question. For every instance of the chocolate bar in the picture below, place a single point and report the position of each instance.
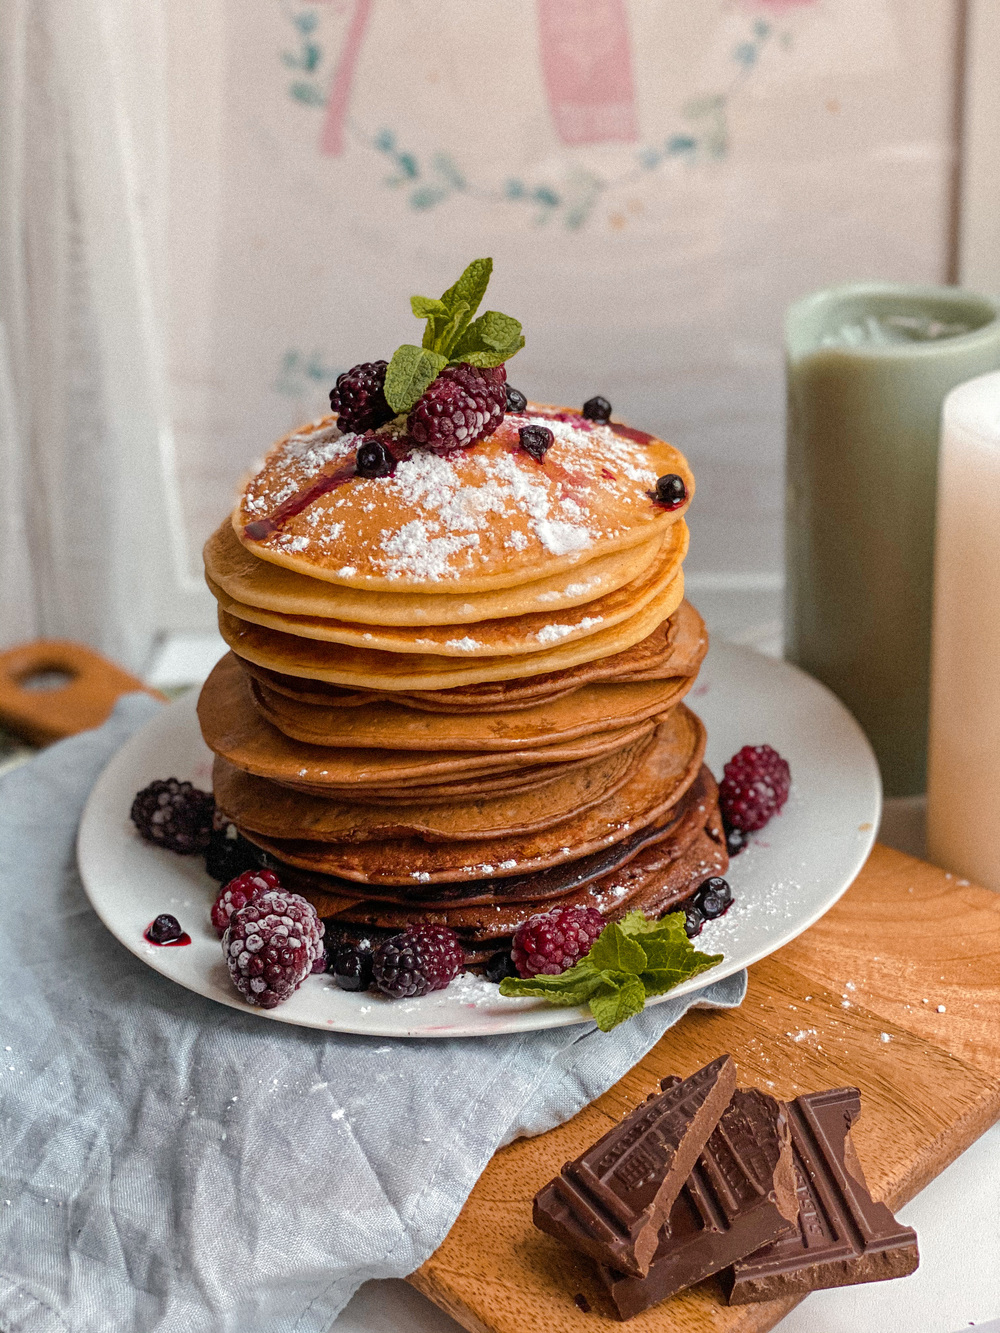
(612, 1201)
(740, 1195)
(843, 1235)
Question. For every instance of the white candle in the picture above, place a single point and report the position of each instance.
(963, 789)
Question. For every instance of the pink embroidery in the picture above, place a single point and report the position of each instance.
(332, 139)
(587, 65)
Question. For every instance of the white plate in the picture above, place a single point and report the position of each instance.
(793, 871)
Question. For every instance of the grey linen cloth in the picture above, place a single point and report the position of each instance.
(170, 1164)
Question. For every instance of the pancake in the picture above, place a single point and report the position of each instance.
(675, 648)
(462, 788)
(340, 664)
(475, 520)
(254, 582)
(393, 726)
(530, 633)
(667, 769)
(232, 728)
(277, 812)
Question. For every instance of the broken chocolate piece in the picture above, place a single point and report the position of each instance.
(739, 1196)
(612, 1201)
(843, 1235)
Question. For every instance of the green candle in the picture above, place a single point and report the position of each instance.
(869, 365)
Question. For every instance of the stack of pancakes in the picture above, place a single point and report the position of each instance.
(454, 693)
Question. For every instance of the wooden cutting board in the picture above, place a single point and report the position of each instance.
(896, 991)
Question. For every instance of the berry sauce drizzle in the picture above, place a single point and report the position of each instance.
(263, 527)
(183, 938)
(630, 433)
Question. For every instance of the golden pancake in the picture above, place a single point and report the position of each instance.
(474, 520)
(393, 726)
(341, 664)
(665, 772)
(675, 648)
(232, 728)
(488, 638)
(277, 812)
(245, 578)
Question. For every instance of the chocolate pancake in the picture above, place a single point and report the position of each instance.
(272, 811)
(665, 772)
(393, 726)
(232, 728)
(676, 647)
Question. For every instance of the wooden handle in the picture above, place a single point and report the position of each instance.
(41, 715)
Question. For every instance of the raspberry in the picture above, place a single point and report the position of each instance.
(462, 405)
(271, 945)
(229, 853)
(240, 891)
(176, 815)
(421, 959)
(754, 787)
(670, 491)
(535, 440)
(550, 942)
(597, 409)
(359, 398)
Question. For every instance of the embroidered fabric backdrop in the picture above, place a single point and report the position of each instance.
(655, 179)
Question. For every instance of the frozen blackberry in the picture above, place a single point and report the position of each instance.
(499, 966)
(240, 891)
(536, 440)
(421, 959)
(464, 404)
(714, 898)
(351, 964)
(670, 491)
(550, 942)
(516, 401)
(374, 460)
(165, 928)
(270, 946)
(754, 787)
(229, 854)
(175, 815)
(359, 398)
(597, 409)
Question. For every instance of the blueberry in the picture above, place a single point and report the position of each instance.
(500, 965)
(351, 965)
(597, 409)
(165, 928)
(736, 840)
(713, 897)
(693, 921)
(230, 854)
(670, 491)
(536, 440)
(374, 460)
(516, 401)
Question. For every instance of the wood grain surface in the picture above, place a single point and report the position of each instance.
(896, 991)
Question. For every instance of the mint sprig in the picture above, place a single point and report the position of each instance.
(452, 334)
(629, 961)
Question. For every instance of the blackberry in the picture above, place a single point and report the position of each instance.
(499, 966)
(670, 491)
(693, 921)
(351, 964)
(714, 898)
(165, 928)
(516, 401)
(736, 840)
(597, 409)
(421, 959)
(551, 942)
(270, 946)
(359, 398)
(754, 787)
(374, 460)
(536, 440)
(175, 815)
(229, 854)
(462, 405)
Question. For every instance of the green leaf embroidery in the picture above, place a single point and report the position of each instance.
(410, 371)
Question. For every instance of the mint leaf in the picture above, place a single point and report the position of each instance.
(659, 979)
(492, 332)
(471, 286)
(488, 358)
(426, 307)
(617, 1001)
(410, 371)
(614, 951)
(574, 986)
